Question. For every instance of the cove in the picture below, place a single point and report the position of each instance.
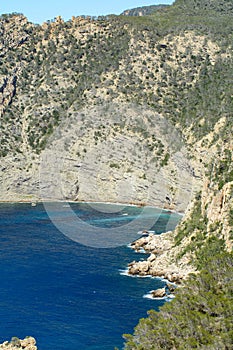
(66, 294)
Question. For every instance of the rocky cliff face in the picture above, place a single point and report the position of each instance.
(118, 109)
(128, 152)
(172, 254)
(124, 109)
(131, 161)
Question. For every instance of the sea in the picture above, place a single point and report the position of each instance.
(63, 272)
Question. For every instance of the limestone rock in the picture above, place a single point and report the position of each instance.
(158, 293)
(29, 343)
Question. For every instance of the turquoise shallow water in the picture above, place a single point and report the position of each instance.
(64, 288)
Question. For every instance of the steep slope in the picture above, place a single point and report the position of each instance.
(218, 6)
(200, 317)
(95, 68)
(143, 11)
(133, 109)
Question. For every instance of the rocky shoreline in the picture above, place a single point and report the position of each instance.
(159, 263)
(29, 343)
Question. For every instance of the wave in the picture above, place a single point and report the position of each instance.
(167, 281)
(125, 272)
(141, 250)
(144, 233)
(168, 297)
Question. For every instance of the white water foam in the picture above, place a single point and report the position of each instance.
(125, 272)
(168, 297)
(168, 282)
(144, 233)
(141, 250)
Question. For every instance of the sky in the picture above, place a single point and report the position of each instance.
(40, 11)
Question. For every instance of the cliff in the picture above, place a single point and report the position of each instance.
(122, 109)
(78, 88)
(134, 109)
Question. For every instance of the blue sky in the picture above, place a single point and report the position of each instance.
(42, 10)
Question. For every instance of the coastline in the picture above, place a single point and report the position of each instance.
(145, 295)
(161, 262)
(159, 246)
(55, 200)
(27, 209)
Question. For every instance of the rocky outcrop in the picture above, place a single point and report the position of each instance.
(168, 257)
(161, 262)
(28, 343)
(155, 244)
(158, 293)
(113, 122)
(8, 91)
(219, 204)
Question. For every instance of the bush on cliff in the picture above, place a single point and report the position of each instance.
(201, 315)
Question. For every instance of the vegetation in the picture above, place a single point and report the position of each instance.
(200, 316)
(176, 60)
(67, 69)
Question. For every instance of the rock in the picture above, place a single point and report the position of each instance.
(171, 287)
(173, 277)
(157, 273)
(29, 343)
(144, 266)
(140, 268)
(152, 257)
(158, 293)
(133, 270)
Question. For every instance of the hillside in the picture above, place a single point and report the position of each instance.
(143, 11)
(134, 109)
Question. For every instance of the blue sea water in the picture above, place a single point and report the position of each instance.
(67, 293)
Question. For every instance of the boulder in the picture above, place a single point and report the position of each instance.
(174, 277)
(158, 293)
(133, 270)
(144, 267)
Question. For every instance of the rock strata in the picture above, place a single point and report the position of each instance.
(28, 343)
